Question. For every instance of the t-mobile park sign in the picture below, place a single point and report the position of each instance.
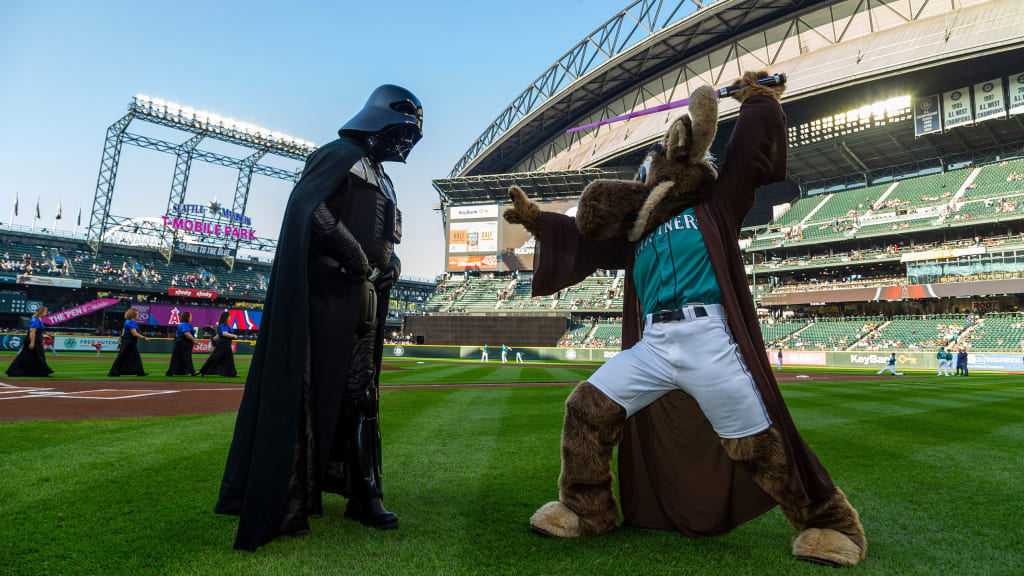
(235, 226)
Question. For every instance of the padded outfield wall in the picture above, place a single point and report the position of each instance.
(996, 361)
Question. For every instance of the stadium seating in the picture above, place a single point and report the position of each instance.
(797, 211)
(776, 331)
(997, 333)
(590, 294)
(830, 335)
(575, 336)
(997, 180)
(521, 298)
(929, 190)
(607, 336)
(849, 203)
(482, 294)
(903, 333)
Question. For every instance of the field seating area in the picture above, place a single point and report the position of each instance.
(929, 190)
(915, 333)
(521, 299)
(34, 258)
(997, 333)
(482, 294)
(776, 331)
(798, 211)
(830, 335)
(997, 180)
(575, 336)
(590, 294)
(607, 336)
(849, 203)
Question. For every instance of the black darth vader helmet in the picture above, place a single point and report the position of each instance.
(390, 123)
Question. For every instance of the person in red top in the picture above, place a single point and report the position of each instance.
(48, 344)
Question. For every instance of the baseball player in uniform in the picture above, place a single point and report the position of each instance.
(519, 357)
(483, 353)
(891, 367)
(504, 354)
(778, 365)
(941, 357)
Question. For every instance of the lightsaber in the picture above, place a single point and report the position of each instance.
(721, 93)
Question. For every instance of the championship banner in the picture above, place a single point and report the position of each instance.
(192, 293)
(988, 100)
(943, 253)
(1017, 94)
(927, 116)
(87, 308)
(48, 281)
(956, 109)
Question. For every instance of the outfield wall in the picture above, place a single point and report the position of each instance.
(1007, 362)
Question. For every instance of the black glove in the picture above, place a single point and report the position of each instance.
(388, 278)
(331, 238)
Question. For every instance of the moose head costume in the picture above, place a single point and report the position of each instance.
(705, 440)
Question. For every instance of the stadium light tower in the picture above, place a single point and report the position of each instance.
(200, 125)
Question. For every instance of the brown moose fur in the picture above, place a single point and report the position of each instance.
(763, 456)
(607, 208)
(523, 212)
(591, 430)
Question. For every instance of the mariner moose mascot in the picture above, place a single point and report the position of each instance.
(308, 422)
(706, 441)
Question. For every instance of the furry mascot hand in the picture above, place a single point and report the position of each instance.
(523, 212)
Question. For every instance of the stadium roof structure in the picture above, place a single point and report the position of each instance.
(645, 38)
(493, 188)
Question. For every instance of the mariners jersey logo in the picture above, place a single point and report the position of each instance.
(70, 343)
(570, 354)
(399, 351)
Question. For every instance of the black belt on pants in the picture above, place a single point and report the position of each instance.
(673, 315)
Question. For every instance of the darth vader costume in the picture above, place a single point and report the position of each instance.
(308, 421)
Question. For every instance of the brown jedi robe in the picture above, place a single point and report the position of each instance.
(673, 472)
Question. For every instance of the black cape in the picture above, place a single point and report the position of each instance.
(221, 361)
(259, 466)
(181, 357)
(30, 361)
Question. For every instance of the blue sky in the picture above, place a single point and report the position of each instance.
(69, 69)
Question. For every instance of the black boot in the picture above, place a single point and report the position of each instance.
(371, 512)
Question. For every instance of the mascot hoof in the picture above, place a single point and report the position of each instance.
(555, 520)
(828, 547)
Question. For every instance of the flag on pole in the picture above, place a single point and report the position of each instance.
(15, 204)
(58, 211)
(37, 209)
(79, 223)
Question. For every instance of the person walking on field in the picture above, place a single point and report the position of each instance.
(483, 353)
(222, 360)
(184, 342)
(128, 360)
(48, 344)
(891, 367)
(30, 360)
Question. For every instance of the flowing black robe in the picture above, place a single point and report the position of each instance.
(30, 361)
(181, 357)
(128, 361)
(280, 428)
(221, 361)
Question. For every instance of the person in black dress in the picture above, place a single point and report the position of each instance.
(128, 360)
(222, 360)
(30, 360)
(184, 341)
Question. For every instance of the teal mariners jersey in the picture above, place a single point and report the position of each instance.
(672, 267)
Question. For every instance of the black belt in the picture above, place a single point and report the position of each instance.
(673, 315)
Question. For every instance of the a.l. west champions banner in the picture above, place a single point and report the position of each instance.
(192, 293)
(956, 108)
(1016, 94)
(988, 100)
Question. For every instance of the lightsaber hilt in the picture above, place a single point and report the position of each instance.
(769, 81)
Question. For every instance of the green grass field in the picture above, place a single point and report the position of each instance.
(933, 465)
